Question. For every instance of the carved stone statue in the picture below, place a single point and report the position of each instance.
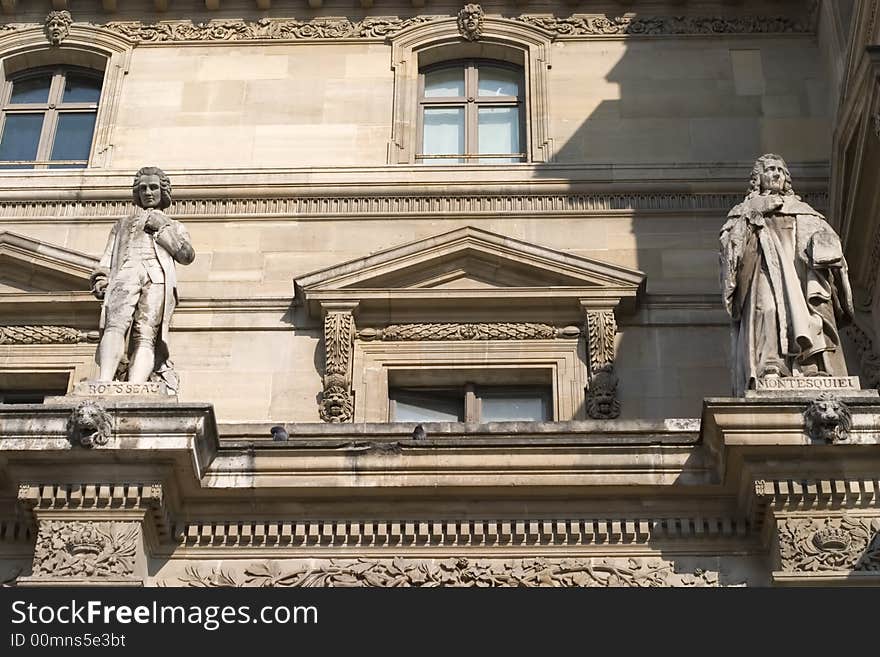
(470, 21)
(58, 26)
(136, 278)
(784, 283)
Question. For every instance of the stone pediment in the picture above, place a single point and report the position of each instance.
(28, 265)
(475, 267)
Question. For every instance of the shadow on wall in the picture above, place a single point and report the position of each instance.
(691, 114)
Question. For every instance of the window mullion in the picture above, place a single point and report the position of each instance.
(47, 137)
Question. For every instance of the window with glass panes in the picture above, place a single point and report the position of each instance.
(471, 403)
(49, 118)
(471, 111)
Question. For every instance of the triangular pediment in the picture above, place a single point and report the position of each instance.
(30, 266)
(469, 263)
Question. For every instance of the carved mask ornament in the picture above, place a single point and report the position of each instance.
(58, 26)
(470, 22)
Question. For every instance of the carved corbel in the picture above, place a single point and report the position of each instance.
(601, 328)
(337, 402)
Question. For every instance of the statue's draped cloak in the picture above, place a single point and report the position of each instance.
(785, 284)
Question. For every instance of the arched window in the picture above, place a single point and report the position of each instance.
(471, 111)
(49, 117)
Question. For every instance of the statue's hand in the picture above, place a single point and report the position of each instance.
(99, 281)
(768, 204)
(155, 222)
(755, 219)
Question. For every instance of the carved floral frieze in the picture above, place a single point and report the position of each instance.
(829, 544)
(91, 550)
(474, 331)
(455, 572)
(380, 27)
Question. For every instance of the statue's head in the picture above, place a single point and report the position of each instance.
(602, 402)
(151, 188)
(58, 26)
(770, 176)
(470, 21)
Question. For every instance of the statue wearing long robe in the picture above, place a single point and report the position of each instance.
(785, 285)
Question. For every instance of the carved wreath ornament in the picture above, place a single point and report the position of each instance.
(829, 544)
(85, 549)
(457, 572)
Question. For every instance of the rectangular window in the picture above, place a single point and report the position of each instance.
(470, 403)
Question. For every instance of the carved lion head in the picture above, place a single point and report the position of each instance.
(89, 425)
(602, 402)
(828, 419)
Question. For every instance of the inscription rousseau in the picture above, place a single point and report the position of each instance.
(120, 388)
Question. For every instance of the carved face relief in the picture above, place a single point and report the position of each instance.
(58, 26)
(773, 177)
(470, 21)
(149, 191)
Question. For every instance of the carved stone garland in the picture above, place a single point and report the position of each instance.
(31, 334)
(475, 331)
(602, 402)
(85, 550)
(455, 572)
(337, 404)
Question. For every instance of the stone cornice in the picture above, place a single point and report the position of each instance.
(380, 28)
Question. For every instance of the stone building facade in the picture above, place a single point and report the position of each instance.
(454, 314)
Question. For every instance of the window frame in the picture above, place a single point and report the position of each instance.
(471, 102)
(472, 396)
(52, 109)
(501, 39)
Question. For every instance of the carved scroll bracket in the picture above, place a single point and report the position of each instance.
(337, 402)
(600, 330)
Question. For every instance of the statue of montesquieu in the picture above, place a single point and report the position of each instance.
(784, 283)
(137, 280)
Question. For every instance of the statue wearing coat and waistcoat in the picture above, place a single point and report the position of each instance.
(784, 283)
(137, 280)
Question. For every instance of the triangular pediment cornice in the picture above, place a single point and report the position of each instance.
(474, 265)
(43, 267)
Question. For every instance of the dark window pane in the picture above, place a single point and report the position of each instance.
(73, 138)
(81, 89)
(21, 136)
(428, 405)
(499, 406)
(31, 90)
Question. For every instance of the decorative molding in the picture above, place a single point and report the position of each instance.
(829, 544)
(337, 403)
(479, 331)
(827, 418)
(796, 495)
(645, 26)
(31, 334)
(601, 329)
(869, 361)
(211, 209)
(318, 29)
(602, 402)
(394, 534)
(576, 26)
(93, 550)
(89, 425)
(455, 572)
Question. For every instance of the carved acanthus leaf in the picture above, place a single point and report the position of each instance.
(33, 334)
(601, 329)
(456, 572)
(85, 549)
(478, 331)
(829, 544)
